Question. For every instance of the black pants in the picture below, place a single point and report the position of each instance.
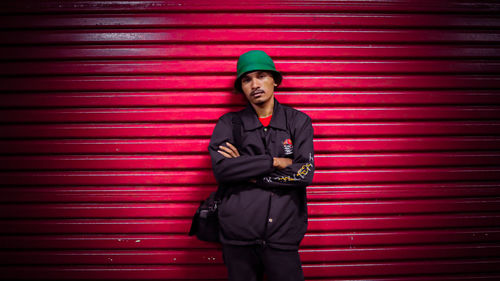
(249, 263)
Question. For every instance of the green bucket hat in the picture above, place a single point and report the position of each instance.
(255, 60)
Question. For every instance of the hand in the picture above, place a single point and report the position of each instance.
(229, 152)
(281, 163)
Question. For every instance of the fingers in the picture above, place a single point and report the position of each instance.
(233, 148)
(282, 163)
(229, 152)
(225, 154)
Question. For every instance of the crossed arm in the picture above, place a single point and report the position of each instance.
(230, 151)
(267, 171)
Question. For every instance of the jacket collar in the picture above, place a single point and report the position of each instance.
(250, 120)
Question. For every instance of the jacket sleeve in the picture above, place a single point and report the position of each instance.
(242, 168)
(301, 172)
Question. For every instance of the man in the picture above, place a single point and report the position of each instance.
(263, 213)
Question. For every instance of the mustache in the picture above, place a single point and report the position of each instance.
(256, 92)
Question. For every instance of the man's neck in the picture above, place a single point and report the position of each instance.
(265, 109)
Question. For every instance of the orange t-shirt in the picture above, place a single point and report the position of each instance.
(265, 120)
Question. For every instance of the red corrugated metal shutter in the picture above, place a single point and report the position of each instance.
(107, 108)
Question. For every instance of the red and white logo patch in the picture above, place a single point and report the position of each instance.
(288, 146)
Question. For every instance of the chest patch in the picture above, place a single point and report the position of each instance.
(288, 146)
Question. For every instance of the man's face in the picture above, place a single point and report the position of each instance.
(258, 86)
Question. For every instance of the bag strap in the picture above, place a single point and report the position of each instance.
(236, 121)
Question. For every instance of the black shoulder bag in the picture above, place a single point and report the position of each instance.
(205, 224)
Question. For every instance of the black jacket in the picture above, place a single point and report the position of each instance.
(272, 211)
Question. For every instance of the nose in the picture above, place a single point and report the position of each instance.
(255, 83)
